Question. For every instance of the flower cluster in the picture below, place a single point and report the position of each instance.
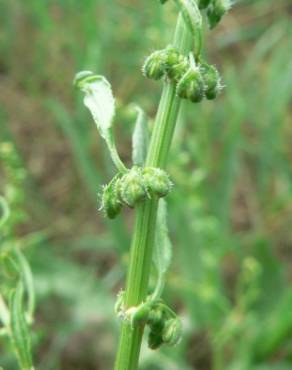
(215, 10)
(134, 186)
(194, 80)
(165, 326)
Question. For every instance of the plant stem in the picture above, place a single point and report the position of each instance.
(145, 224)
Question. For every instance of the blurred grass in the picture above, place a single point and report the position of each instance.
(231, 210)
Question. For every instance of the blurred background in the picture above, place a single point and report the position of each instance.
(230, 213)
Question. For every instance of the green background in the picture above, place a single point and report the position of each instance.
(230, 211)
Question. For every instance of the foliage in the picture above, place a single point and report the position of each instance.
(230, 163)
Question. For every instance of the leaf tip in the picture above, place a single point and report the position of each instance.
(84, 77)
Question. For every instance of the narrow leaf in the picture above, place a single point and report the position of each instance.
(9, 265)
(162, 253)
(191, 14)
(27, 280)
(163, 249)
(19, 329)
(140, 140)
(193, 19)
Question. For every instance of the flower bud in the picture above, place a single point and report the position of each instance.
(175, 63)
(203, 4)
(154, 340)
(110, 200)
(156, 181)
(211, 80)
(175, 71)
(216, 11)
(172, 331)
(172, 56)
(191, 85)
(132, 188)
(156, 319)
(154, 66)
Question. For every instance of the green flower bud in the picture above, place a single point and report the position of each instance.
(156, 181)
(212, 94)
(132, 187)
(211, 80)
(191, 85)
(172, 56)
(216, 11)
(110, 199)
(156, 319)
(172, 332)
(203, 4)
(175, 63)
(177, 70)
(154, 340)
(154, 66)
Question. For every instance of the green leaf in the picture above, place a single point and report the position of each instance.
(101, 104)
(276, 329)
(98, 99)
(193, 19)
(140, 140)
(9, 265)
(162, 253)
(27, 280)
(19, 329)
(15, 266)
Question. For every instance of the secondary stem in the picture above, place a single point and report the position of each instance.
(144, 231)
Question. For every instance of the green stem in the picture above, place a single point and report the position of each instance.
(145, 224)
